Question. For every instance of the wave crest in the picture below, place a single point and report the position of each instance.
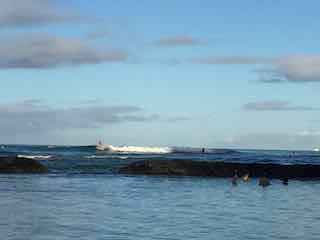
(136, 149)
(106, 157)
(34, 156)
(163, 150)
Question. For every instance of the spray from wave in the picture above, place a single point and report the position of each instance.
(34, 156)
(161, 150)
(135, 149)
(105, 157)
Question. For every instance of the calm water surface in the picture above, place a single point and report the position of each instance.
(83, 198)
(146, 207)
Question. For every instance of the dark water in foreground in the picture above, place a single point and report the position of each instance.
(83, 198)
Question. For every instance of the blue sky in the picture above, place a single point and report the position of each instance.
(242, 74)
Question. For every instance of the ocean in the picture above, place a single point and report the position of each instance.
(84, 198)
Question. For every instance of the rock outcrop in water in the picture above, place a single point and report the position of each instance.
(221, 169)
(21, 165)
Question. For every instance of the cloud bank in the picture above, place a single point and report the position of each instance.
(291, 68)
(231, 60)
(275, 105)
(178, 40)
(32, 116)
(33, 12)
(38, 51)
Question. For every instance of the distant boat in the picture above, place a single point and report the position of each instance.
(316, 149)
(100, 145)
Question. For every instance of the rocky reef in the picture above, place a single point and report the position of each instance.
(221, 169)
(21, 165)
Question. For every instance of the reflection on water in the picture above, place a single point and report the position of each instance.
(146, 207)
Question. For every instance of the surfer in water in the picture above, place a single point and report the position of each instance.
(264, 181)
(100, 145)
(245, 177)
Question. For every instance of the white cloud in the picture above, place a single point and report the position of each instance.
(293, 68)
(275, 105)
(231, 60)
(34, 116)
(38, 51)
(178, 40)
(32, 12)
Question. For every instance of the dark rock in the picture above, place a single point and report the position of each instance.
(285, 181)
(221, 169)
(21, 165)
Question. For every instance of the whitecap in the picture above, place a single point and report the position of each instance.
(105, 157)
(136, 149)
(34, 156)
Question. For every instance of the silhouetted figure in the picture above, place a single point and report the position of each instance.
(202, 150)
(234, 178)
(264, 181)
(292, 154)
(285, 181)
(245, 177)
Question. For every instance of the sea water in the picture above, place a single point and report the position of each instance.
(84, 198)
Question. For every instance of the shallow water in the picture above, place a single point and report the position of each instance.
(147, 207)
(75, 202)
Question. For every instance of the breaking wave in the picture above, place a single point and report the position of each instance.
(136, 149)
(162, 150)
(105, 157)
(34, 156)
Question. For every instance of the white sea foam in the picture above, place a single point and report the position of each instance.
(34, 156)
(160, 150)
(106, 157)
(136, 149)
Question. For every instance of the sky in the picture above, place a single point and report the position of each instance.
(241, 74)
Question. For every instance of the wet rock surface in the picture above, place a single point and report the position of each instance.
(221, 169)
(21, 165)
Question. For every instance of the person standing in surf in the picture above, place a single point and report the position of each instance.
(235, 177)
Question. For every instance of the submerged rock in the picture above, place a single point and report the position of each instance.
(21, 165)
(221, 169)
